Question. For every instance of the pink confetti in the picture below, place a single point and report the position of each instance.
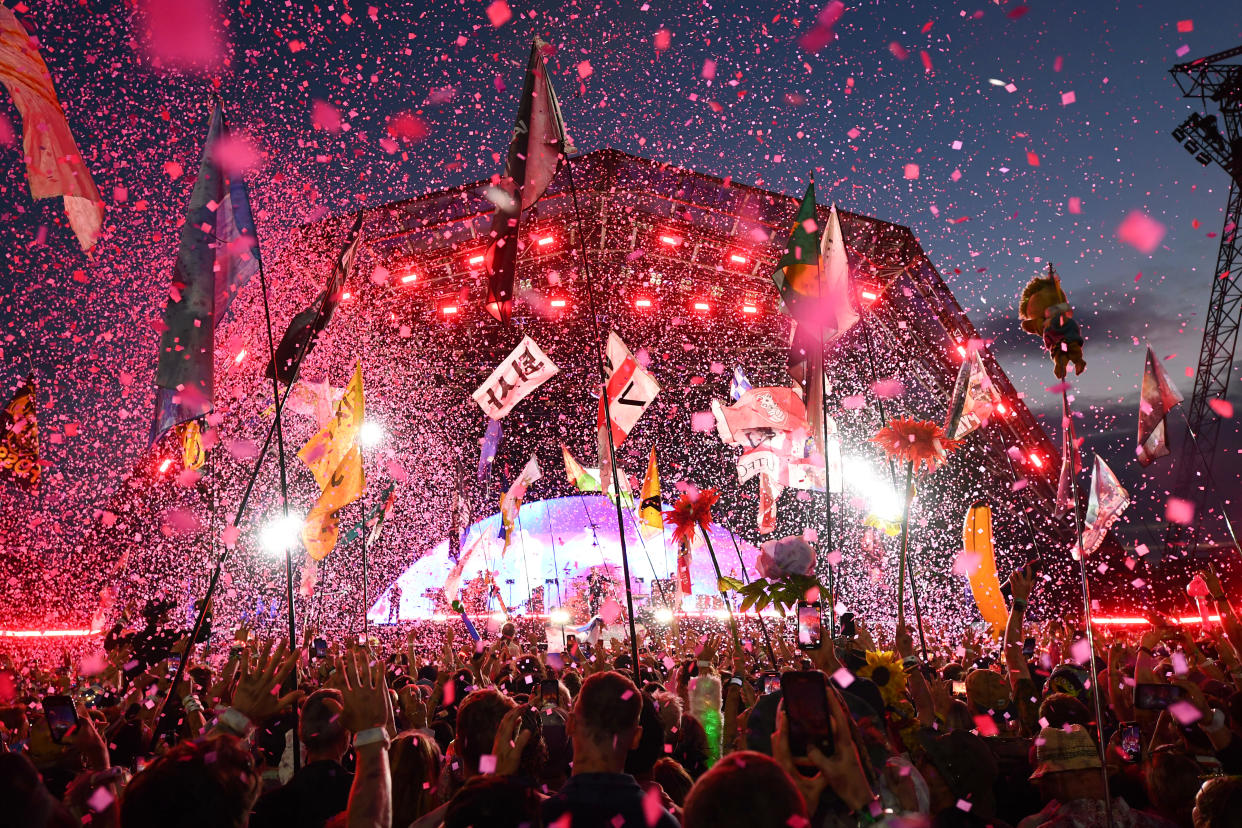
(912, 171)
(325, 116)
(1180, 511)
(1068, 98)
(1142, 232)
(487, 763)
(821, 34)
(1185, 712)
(843, 677)
(498, 13)
(584, 69)
(1223, 408)
(662, 40)
(1184, 26)
(702, 422)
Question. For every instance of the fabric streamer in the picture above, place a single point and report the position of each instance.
(980, 556)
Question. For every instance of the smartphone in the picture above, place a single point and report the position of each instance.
(550, 688)
(1031, 570)
(542, 646)
(771, 683)
(61, 716)
(806, 709)
(1131, 742)
(809, 625)
(319, 648)
(1156, 696)
(959, 688)
(1028, 647)
(848, 628)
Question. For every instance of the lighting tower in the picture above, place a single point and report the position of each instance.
(1213, 79)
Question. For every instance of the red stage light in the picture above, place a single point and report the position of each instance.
(642, 303)
(476, 260)
(702, 307)
(558, 303)
(749, 309)
(165, 465)
(961, 350)
(346, 296)
(1001, 409)
(545, 241)
(736, 259)
(448, 310)
(237, 360)
(45, 633)
(1036, 460)
(870, 295)
(409, 278)
(671, 241)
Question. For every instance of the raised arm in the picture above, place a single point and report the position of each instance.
(1020, 584)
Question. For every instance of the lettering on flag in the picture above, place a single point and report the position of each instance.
(1108, 500)
(524, 370)
(630, 390)
(345, 485)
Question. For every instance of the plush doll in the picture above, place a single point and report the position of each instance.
(1045, 311)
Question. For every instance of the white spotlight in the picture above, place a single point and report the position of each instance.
(663, 615)
(280, 533)
(559, 617)
(371, 433)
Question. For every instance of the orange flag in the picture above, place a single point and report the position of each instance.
(54, 167)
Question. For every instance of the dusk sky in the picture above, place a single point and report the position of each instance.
(1004, 134)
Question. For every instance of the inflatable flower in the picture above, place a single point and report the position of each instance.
(779, 559)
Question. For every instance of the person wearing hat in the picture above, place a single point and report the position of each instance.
(1071, 785)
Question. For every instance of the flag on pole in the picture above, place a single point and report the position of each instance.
(374, 520)
(1156, 400)
(19, 436)
(1108, 500)
(578, 477)
(835, 305)
(684, 559)
(54, 165)
(346, 485)
(487, 452)
(452, 583)
(739, 385)
(630, 390)
(1071, 463)
(769, 494)
(511, 501)
(304, 329)
(535, 152)
(524, 370)
(650, 504)
(193, 454)
(325, 451)
(218, 255)
(974, 398)
(797, 271)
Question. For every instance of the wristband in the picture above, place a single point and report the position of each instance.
(704, 663)
(1147, 650)
(371, 736)
(191, 704)
(1019, 606)
(235, 721)
(910, 663)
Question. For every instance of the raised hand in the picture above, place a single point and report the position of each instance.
(364, 690)
(256, 690)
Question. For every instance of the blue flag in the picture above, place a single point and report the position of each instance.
(739, 385)
(218, 255)
(491, 443)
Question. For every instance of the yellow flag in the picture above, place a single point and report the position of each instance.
(979, 562)
(344, 486)
(651, 507)
(323, 453)
(192, 453)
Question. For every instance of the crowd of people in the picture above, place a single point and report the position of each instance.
(707, 729)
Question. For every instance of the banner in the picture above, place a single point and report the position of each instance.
(1108, 500)
(974, 398)
(54, 165)
(769, 494)
(630, 390)
(758, 413)
(979, 564)
(524, 370)
(487, 452)
(650, 504)
(1156, 400)
(19, 436)
(346, 484)
(325, 451)
(375, 518)
(511, 501)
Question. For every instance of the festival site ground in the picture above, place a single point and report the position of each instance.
(240, 586)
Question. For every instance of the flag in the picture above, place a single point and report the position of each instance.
(304, 329)
(54, 165)
(974, 398)
(375, 518)
(524, 370)
(1108, 500)
(192, 453)
(978, 563)
(769, 494)
(1071, 463)
(452, 583)
(684, 559)
(797, 271)
(217, 256)
(325, 451)
(535, 152)
(19, 436)
(739, 385)
(835, 306)
(491, 444)
(630, 390)
(346, 485)
(511, 501)
(758, 413)
(650, 504)
(1156, 400)
(578, 477)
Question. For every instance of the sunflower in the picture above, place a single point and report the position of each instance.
(885, 670)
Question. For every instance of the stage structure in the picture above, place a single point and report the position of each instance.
(682, 264)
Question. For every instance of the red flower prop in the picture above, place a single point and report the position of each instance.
(690, 511)
(921, 442)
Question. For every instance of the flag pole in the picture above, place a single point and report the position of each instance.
(612, 449)
(1211, 479)
(822, 405)
(767, 641)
